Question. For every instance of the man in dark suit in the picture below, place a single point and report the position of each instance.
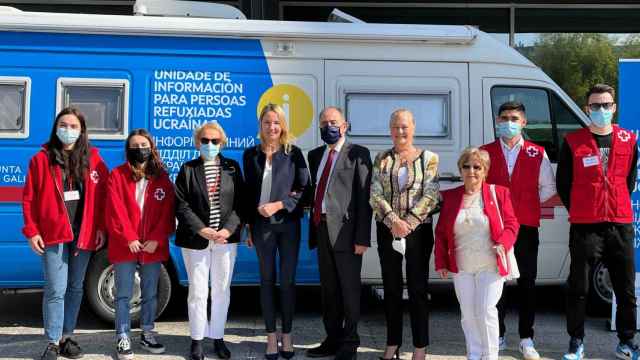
(340, 228)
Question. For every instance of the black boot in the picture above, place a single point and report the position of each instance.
(220, 349)
(196, 350)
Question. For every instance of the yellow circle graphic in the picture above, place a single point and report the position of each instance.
(296, 104)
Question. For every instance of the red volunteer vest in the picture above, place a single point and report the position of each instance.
(523, 183)
(596, 197)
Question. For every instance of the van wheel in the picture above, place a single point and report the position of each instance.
(601, 293)
(100, 290)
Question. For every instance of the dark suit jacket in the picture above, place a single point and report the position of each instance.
(290, 179)
(192, 202)
(347, 198)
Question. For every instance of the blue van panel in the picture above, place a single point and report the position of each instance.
(175, 84)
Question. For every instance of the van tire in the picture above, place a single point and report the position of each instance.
(100, 290)
(600, 290)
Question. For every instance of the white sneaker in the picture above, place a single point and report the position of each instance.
(528, 350)
(502, 343)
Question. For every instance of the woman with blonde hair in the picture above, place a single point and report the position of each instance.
(276, 176)
(476, 228)
(404, 190)
(207, 207)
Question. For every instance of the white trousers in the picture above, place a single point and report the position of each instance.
(213, 265)
(478, 294)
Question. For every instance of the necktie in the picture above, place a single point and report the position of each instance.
(322, 186)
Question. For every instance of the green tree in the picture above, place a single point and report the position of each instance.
(576, 61)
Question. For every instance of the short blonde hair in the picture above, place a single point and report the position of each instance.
(471, 153)
(212, 126)
(285, 137)
(396, 114)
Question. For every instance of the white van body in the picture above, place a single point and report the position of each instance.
(452, 77)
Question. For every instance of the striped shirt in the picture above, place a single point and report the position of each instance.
(212, 174)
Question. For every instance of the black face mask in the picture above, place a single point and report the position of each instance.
(138, 155)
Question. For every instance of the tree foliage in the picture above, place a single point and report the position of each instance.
(577, 61)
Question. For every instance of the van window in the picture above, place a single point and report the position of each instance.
(369, 113)
(14, 102)
(566, 120)
(103, 102)
(548, 117)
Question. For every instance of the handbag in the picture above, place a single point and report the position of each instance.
(508, 260)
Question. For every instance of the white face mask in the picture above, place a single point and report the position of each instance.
(399, 245)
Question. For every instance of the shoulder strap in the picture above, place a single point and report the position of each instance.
(495, 199)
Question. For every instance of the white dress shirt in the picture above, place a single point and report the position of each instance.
(325, 156)
(546, 179)
(267, 178)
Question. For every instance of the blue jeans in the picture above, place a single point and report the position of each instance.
(64, 269)
(125, 273)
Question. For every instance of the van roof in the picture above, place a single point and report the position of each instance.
(385, 34)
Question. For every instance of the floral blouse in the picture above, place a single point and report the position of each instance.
(411, 202)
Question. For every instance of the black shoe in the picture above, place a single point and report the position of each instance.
(347, 355)
(123, 348)
(287, 354)
(395, 356)
(149, 343)
(70, 349)
(273, 356)
(220, 349)
(196, 350)
(323, 350)
(51, 352)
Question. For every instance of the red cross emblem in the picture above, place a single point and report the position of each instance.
(624, 136)
(95, 177)
(159, 194)
(532, 151)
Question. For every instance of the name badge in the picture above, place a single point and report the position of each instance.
(590, 161)
(71, 195)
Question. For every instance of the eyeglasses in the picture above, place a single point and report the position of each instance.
(597, 106)
(469, 167)
(206, 141)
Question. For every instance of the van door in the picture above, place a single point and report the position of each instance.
(550, 116)
(436, 93)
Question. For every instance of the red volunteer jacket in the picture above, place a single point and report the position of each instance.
(596, 197)
(125, 223)
(445, 242)
(43, 207)
(523, 183)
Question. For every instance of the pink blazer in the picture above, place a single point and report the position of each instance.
(445, 242)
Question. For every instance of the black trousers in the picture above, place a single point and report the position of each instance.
(340, 287)
(614, 245)
(526, 252)
(417, 254)
(283, 239)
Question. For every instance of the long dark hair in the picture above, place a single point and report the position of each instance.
(76, 161)
(154, 166)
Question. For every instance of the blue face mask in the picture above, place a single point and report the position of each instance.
(67, 136)
(209, 151)
(508, 129)
(330, 134)
(601, 118)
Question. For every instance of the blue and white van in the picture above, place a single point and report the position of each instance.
(171, 74)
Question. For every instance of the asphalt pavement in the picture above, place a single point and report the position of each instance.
(21, 334)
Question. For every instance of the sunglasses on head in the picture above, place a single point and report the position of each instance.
(206, 141)
(597, 106)
(475, 167)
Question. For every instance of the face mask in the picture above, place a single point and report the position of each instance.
(138, 155)
(209, 151)
(67, 136)
(601, 118)
(508, 129)
(330, 134)
(399, 245)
